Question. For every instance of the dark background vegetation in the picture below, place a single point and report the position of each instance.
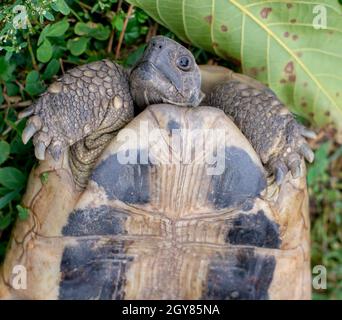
(64, 34)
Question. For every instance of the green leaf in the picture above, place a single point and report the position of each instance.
(77, 45)
(118, 21)
(100, 33)
(22, 212)
(57, 29)
(49, 16)
(4, 151)
(43, 34)
(1, 96)
(12, 89)
(317, 171)
(12, 178)
(91, 29)
(51, 69)
(61, 6)
(6, 199)
(82, 29)
(44, 52)
(5, 221)
(33, 85)
(6, 69)
(32, 76)
(276, 41)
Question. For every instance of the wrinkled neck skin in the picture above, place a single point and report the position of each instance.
(146, 92)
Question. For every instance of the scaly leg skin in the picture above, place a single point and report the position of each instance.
(90, 103)
(267, 124)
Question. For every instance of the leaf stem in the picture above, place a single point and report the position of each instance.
(129, 13)
(33, 59)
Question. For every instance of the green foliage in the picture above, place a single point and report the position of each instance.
(325, 186)
(285, 44)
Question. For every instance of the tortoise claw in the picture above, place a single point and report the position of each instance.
(295, 168)
(55, 150)
(280, 170)
(25, 113)
(307, 133)
(39, 150)
(294, 163)
(34, 124)
(28, 132)
(280, 173)
(307, 152)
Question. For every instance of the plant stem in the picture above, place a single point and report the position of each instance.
(129, 13)
(33, 59)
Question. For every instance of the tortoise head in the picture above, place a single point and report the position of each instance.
(166, 73)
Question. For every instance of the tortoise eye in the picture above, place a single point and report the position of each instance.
(184, 63)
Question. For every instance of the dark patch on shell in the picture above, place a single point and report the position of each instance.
(103, 220)
(239, 275)
(254, 230)
(94, 269)
(126, 182)
(241, 180)
(173, 125)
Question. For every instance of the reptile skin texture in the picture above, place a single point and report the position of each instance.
(86, 107)
(266, 123)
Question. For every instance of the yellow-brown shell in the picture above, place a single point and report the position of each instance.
(158, 230)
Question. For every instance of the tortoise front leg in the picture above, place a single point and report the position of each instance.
(85, 107)
(267, 124)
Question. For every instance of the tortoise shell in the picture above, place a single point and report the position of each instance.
(160, 228)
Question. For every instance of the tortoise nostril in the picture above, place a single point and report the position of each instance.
(160, 46)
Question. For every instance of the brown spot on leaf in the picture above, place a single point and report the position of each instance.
(263, 68)
(289, 68)
(304, 104)
(293, 20)
(337, 94)
(209, 19)
(299, 54)
(292, 78)
(286, 34)
(224, 28)
(253, 71)
(265, 12)
(294, 37)
(215, 44)
(289, 5)
(311, 114)
(327, 113)
(305, 84)
(282, 81)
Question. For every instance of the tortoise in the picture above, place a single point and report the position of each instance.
(165, 181)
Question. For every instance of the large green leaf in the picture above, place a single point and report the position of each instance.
(276, 41)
